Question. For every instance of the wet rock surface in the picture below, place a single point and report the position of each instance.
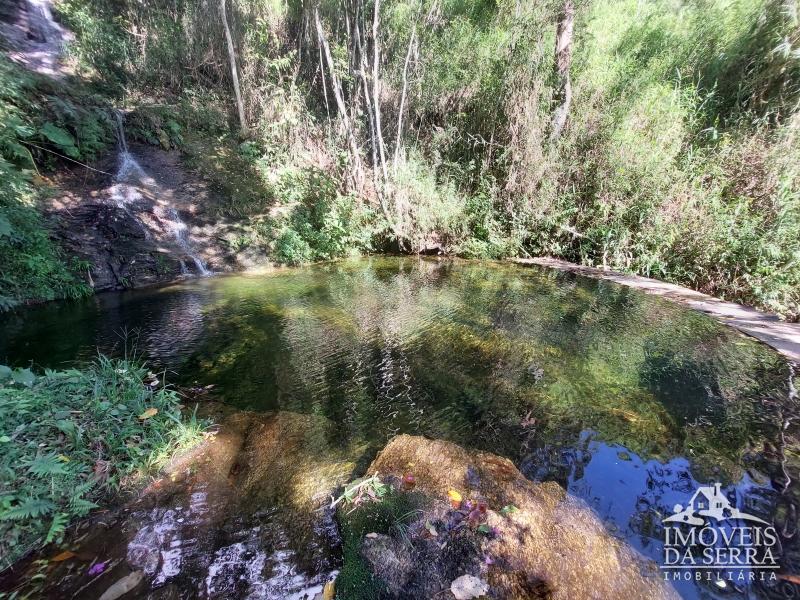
(151, 222)
(548, 545)
(242, 516)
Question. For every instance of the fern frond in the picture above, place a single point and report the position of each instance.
(57, 528)
(31, 507)
(43, 466)
(81, 490)
(81, 506)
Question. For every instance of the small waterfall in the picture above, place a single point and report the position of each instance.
(42, 23)
(128, 170)
(122, 142)
(130, 179)
(180, 231)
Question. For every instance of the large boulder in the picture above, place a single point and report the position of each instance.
(548, 545)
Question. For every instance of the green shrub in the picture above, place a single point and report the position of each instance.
(320, 223)
(31, 266)
(103, 49)
(292, 249)
(40, 122)
(155, 125)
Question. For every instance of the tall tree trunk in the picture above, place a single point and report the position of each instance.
(402, 108)
(361, 69)
(563, 92)
(234, 71)
(357, 174)
(324, 85)
(376, 87)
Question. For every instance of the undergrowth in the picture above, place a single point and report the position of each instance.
(42, 124)
(70, 438)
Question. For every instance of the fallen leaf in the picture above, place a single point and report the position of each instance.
(467, 587)
(508, 509)
(329, 591)
(62, 556)
(372, 535)
(123, 586)
(431, 529)
(150, 412)
(97, 568)
(455, 498)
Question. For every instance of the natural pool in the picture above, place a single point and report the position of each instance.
(627, 401)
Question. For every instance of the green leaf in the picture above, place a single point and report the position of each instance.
(57, 528)
(23, 376)
(5, 228)
(61, 138)
(46, 465)
(67, 427)
(508, 509)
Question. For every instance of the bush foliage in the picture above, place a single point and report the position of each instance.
(67, 438)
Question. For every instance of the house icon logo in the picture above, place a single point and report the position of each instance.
(710, 539)
(708, 502)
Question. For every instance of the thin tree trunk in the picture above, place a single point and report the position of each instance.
(234, 71)
(379, 192)
(324, 86)
(376, 93)
(563, 54)
(399, 139)
(362, 71)
(357, 174)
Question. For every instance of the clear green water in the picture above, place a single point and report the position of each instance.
(628, 401)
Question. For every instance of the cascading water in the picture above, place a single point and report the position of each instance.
(132, 182)
(33, 37)
(44, 25)
(129, 172)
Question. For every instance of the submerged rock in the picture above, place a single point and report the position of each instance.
(527, 540)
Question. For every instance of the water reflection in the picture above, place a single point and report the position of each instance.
(626, 400)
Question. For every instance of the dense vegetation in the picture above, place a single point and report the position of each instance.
(41, 123)
(68, 438)
(436, 124)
